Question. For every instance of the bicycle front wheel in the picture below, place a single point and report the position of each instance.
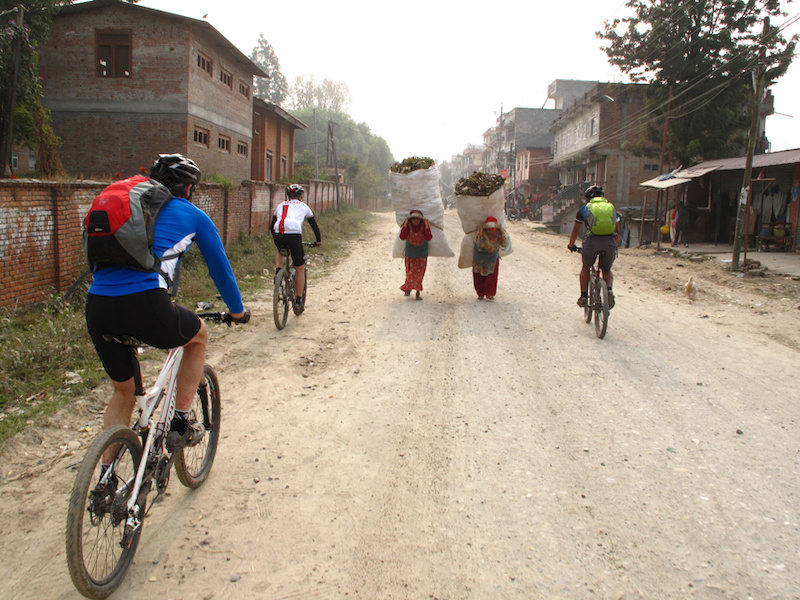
(280, 299)
(601, 310)
(98, 549)
(193, 463)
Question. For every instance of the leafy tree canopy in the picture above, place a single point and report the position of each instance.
(329, 94)
(274, 88)
(364, 156)
(702, 53)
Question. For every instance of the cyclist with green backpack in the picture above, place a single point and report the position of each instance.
(600, 242)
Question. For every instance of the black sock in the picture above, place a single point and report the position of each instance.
(584, 294)
(180, 421)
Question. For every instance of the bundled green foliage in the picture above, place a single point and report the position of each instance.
(413, 163)
(479, 184)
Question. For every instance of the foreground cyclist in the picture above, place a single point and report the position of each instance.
(286, 226)
(124, 301)
(600, 242)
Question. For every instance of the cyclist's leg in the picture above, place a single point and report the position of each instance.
(301, 279)
(108, 314)
(191, 369)
(606, 258)
(295, 242)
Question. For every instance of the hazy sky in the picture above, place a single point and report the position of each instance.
(431, 77)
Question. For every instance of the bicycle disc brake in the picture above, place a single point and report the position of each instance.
(134, 523)
(161, 475)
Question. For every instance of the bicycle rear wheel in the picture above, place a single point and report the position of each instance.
(280, 299)
(193, 463)
(98, 551)
(601, 309)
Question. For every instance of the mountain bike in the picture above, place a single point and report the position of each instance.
(283, 294)
(598, 300)
(108, 505)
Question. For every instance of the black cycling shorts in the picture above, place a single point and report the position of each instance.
(150, 317)
(294, 243)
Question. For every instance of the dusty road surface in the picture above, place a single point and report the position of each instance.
(380, 447)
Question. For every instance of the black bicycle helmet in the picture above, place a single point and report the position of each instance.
(593, 191)
(295, 192)
(175, 170)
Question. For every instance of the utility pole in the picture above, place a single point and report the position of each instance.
(8, 130)
(332, 145)
(744, 194)
(660, 193)
(316, 157)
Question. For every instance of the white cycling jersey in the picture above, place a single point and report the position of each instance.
(290, 215)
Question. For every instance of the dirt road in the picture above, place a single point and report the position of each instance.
(380, 447)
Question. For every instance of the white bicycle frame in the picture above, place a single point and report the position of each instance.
(167, 380)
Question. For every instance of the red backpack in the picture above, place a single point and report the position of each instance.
(118, 229)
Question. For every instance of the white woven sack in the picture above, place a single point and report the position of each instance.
(437, 247)
(418, 190)
(474, 210)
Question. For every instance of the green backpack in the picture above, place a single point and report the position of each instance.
(600, 217)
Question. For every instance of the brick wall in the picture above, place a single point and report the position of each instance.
(41, 247)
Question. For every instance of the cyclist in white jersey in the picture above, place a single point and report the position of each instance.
(287, 232)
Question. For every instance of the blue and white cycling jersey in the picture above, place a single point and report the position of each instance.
(179, 224)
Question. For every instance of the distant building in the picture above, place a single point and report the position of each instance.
(589, 139)
(464, 164)
(273, 141)
(519, 146)
(124, 83)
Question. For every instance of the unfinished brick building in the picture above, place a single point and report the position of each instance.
(125, 83)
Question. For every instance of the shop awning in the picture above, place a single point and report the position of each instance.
(664, 181)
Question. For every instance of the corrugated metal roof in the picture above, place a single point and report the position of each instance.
(771, 159)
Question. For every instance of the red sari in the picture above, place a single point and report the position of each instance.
(416, 254)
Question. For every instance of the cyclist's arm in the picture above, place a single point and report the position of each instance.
(272, 222)
(313, 222)
(219, 267)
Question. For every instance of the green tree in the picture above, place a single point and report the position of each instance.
(273, 88)
(329, 94)
(699, 53)
(362, 155)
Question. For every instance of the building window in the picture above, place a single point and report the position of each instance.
(201, 136)
(244, 89)
(226, 78)
(224, 143)
(284, 165)
(204, 62)
(594, 126)
(15, 161)
(241, 148)
(113, 51)
(650, 167)
(268, 166)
